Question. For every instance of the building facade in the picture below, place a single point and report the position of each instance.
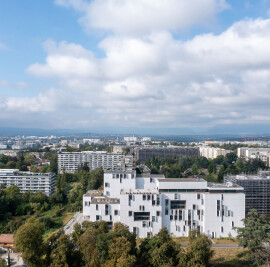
(147, 153)
(71, 161)
(257, 190)
(254, 153)
(147, 202)
(212, 152)
(44, 182)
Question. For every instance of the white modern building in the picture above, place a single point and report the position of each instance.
(71, 161)
(44, 182)
(254, 153)
(148, 202)
(212, 152)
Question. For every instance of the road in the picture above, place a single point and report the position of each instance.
(71, 223)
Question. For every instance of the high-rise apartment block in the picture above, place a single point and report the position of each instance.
(257, 190)
(212, 152)
(71, 161)
(44, 182)
(147, 153)
(148, 202)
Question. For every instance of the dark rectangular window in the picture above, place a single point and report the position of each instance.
(141, 216)
(96, 206)
(158, 213)
(178, 204)
(144, 197)
(148, 197)
(130, 213)
(198, 196)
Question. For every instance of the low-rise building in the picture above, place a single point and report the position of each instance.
(44, 182)
(148, 202)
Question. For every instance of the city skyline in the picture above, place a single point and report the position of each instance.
(77, 64)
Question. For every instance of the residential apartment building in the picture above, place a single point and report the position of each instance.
(147, 153)
(254, 153)
(257, 190)
(148, 202)
(44, 182)
(212, 152)
(71, 161)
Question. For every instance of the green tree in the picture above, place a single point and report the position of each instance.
(29, 242)
(254, 233)
(194, 169)
(198, 252)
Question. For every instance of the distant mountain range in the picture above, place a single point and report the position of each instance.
(218, 130)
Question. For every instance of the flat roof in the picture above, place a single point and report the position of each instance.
(149, 175)
(139, 191)
(93, 193)
(181, 180)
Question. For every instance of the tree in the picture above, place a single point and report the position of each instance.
(194, 169)
(254, 233)
(29, 242)
(198, 252)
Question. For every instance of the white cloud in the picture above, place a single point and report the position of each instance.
(155, 80)
(144, 16)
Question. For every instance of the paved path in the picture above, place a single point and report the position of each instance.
(78, 218)
(217, 245)
(16, 260)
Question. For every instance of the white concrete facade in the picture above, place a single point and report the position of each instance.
(44, 182)
(71, 161)
(212, 152)
(146, 203)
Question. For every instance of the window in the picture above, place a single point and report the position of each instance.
(153, 218)
(96, 206)
(148, 197)
(221, 229)
(171, 217)
(107, 185)
(184, 228)
(176, 196)
(116, 212)
(202, 201)
(134, 230)
(198, 196)
(222, 197)
(229, 213)
(158, 213)
(151, 180)
(232, 223)
(107, 193)
(166, 212)
(106, 209)
(130, 213)
(97, 217)
(144, 197)
(144, 224)
(166, 202)
(194, 207)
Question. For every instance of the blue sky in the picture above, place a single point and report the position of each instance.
(100, 64)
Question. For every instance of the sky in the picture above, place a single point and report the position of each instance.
(131, 64)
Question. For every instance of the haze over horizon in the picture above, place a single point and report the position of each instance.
(196, 66)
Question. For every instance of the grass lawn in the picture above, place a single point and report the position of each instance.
(228, 257)
(231, 241)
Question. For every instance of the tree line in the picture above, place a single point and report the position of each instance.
(17, 207)
(201, 166)
(93, 245)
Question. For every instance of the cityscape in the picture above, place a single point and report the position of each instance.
(134, 133)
